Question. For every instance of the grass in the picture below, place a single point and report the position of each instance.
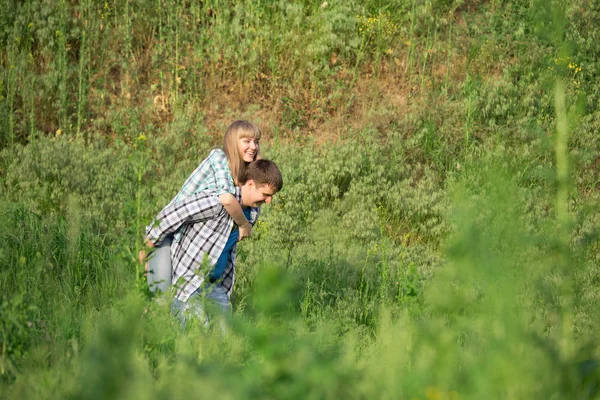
(436, 237)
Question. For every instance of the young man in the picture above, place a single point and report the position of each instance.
(207, 232)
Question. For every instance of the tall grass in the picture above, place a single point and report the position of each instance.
(436, 238)
(482, 328)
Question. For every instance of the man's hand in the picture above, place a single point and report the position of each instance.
(142, 255)
(142, 259)
(245, 231)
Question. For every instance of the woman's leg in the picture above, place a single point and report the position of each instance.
(159, 266)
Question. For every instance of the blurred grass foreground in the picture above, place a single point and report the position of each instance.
(437, 236)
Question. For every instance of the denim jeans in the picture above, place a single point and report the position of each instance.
(209, 300)
(159, 266)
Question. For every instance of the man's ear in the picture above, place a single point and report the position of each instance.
(251, 183)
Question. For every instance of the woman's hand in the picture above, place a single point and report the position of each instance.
(245, 231)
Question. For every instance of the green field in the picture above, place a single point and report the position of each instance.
(436, 238)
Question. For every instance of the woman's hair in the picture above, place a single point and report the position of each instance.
(236, 131)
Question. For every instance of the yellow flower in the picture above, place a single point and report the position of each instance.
(433, 393)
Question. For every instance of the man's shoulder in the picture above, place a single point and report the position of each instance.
(208, 194)
(238, 193)
(202, 199)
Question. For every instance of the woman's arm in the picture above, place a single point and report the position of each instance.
(234, 208)
(225, 189)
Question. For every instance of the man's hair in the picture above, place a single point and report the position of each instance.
(264, 172)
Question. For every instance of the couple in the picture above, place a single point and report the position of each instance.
(200, 261)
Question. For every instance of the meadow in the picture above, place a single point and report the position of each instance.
(436, 238)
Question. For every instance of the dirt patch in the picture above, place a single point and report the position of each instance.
(374, 101)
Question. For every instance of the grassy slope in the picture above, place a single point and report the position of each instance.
(419, 227)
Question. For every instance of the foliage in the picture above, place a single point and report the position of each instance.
(49, 172)
(436, 236)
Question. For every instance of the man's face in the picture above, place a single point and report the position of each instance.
(254, 195)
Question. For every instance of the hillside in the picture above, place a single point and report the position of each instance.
(437, 232)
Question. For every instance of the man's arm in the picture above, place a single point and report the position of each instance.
(197, 208)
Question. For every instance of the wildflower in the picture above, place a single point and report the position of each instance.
(433, 393)
(324, 4)
(141, 138)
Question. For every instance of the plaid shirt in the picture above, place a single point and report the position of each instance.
(212, 174)
(205, 227)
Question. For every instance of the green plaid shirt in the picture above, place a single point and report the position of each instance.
(212, 174)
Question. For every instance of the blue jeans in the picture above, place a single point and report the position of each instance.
(159, 266)
(208, 300)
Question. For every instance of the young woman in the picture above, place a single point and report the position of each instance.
(220, 173)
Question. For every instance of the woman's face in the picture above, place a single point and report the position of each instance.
(248, 148)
